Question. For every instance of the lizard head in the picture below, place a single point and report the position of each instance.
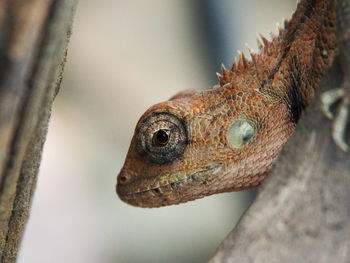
(200, 143)
(227, 138)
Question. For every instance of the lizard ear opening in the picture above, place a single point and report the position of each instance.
(240, 133)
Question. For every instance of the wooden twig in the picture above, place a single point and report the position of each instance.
(33, 45)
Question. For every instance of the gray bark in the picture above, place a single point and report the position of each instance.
(33, 45)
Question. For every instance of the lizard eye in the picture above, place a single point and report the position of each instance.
(161, 138)
(240, 133)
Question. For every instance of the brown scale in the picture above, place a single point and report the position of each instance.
(227, 138)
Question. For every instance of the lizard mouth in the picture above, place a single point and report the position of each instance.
(161, 190)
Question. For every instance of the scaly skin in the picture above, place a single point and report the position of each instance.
(226, 139)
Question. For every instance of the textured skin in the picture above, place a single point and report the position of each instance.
(269, 92)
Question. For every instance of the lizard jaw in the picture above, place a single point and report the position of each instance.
(167, 189)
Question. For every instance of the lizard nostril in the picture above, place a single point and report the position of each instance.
(123, 179)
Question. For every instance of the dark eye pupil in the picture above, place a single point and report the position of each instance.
(161, 138)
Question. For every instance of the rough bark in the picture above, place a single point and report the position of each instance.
(302, 213)
(33, 43)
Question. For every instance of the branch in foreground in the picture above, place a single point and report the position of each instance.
(33, 44)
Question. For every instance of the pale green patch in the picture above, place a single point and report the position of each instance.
(239, 133)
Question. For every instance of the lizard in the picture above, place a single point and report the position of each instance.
(200, 143)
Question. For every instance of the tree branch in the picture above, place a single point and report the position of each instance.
(33, 43)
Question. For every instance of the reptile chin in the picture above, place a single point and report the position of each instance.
(168, 189)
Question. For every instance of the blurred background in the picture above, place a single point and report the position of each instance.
(123, 57)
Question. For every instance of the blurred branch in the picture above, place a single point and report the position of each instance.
(33, 44)
(302, 212)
